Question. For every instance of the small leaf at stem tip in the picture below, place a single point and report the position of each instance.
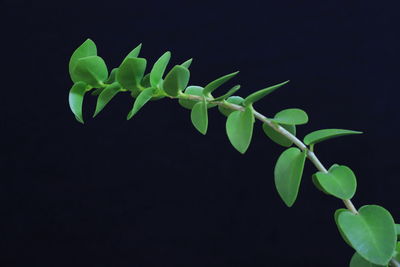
(358, 261)
(239, 128)
(105, 96)
(254, 97)
(277, 137)
(325, 134)
(237, 100)
(228, 94)
(191, 90)
(288, 173)
(176, 80)
(199, 116)
(339, 182)
(131, 72)
(371, 233)
(88, 48)
(135, 52)
(75, 99)
(209, 88)
(291, 116)
(140, 101)
(91, 70)
(158, 69)
(187, 63)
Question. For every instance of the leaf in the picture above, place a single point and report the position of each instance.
(140, 101)
(217, 83)
(199, 116)
(131, 72)
(291, 116)
(371, 233)
(135, 52)
(176, 80)
(228, 94)
(105, 96)
(397, 256)
(112, 76)
(398, 229)
(91, 70)
(158, 69)
(237, 100)
(146, 81)
(239, 127)
(322, 135)
(277, 137)
(88, 48)
(358, 261)
(340, 182)
(75, 99)
(337, 212)
(288, 173)
(187, 63)
(254, 97)
(191, 90)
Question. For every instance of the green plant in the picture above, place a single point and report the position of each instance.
(370, 230)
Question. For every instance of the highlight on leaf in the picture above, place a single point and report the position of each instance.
(158, 69)
(75, 99)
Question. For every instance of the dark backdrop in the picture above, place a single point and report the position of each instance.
(153, 191)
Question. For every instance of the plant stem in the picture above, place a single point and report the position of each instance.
(395, 263)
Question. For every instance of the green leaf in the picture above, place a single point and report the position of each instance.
(340, 182)
(199, 116)
(291, 116)
(228, 94)
(217, 83)
(371, 233)
(191, 90)
(336, 216)
(254, 97)
(358, 261)
(88, 48)
(75, 99)
(398, 229)
(322, 135)
(288, 172)
(187, 63)
(112, 76)
(237, 100)
(239, 127)
(176, 80)
(140, 101)
(91, 70)
(131, 72)
(146, 81)
(159, 68)
(135, 52)
(397, 254)
(105, 96)
(277, 137)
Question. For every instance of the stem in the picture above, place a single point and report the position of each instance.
(395, 263)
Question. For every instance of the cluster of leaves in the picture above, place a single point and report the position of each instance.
(372, 231)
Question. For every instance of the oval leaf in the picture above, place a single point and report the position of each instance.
(140, 101)
(131, 72)
(187, 63)
(358, 261)
(217, 83)
(176, 80)
(340, 182)
(199, 116)
(88, 48)
(254, 97)
(277, 137)
(135, 52)
(228, 94)
(291, 116)
(191, 90)
(75, 99)
(159, 68)
(322, 135)
(337, 212)
(371, 233)
(288, 173)
(105, 96)
(91, 70)
(239, 127)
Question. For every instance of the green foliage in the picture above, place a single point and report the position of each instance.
(239, 128)
(217, 83)
(288, 173)
(176, 80)
(88, 48)
(191, 90)
(199, 116)
(340, 182)
(135, 52)
(158, 69)
(325, 134)
(131, 72)
(91, 70)
(277, 137)
(358, 261)
(228, 94)
(105, 96)
(187, 63)
(371, 233)
(76, 99)
(292, 116)
(237, 100)
(140, 101)
(254, 97)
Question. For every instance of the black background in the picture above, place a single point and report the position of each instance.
(153, 191)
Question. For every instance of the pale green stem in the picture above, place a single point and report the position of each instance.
(394, 263)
